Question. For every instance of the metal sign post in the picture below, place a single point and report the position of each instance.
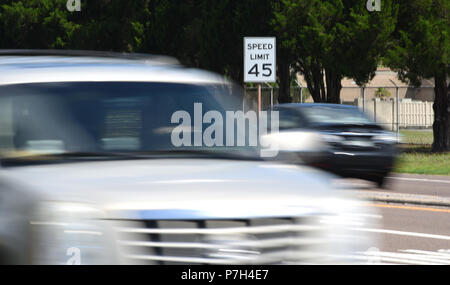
(363, 93)
(301, 91)
(259, 98)
(397, 99)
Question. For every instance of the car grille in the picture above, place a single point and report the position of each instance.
(355, 142)
(249, 241)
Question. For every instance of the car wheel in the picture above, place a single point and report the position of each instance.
(381, 180)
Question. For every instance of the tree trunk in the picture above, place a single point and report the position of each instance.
(318, 82)
(314, 79)
(334, 87)
(441, 107)
(284, 82)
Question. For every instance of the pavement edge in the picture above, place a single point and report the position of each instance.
(401, 198)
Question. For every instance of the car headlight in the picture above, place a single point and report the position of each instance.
(70, 233)
(332, 138)
(388, 138)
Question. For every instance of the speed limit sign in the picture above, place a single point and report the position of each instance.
(259, 59)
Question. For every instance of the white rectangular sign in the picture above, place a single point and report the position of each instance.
(259, 59)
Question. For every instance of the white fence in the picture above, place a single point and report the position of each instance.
(415, 113)
(412, 114)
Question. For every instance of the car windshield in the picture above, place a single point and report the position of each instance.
(107, 117)
(331, 115)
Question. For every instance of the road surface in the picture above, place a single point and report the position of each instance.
(410, 234)
(408, 184)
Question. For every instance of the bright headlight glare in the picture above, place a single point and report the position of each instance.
(70, 233)
(332, 138)
(388, 138)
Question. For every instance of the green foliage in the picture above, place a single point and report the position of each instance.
(417, 137)
(35, 24)
(206, 34)
(322, 39)
(423, 163)
(421, 50)
(422, 43)
(101, 25)
(334, 39)
(382, 93)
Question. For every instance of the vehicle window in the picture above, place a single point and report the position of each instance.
(330, 115)
(100, 116)
(290, 119)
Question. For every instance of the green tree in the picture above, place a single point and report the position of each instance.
(36, 24)
(172, 29)
(421, 50)
(333, 39)
(108, 25)
(47, 24)
(208, 34)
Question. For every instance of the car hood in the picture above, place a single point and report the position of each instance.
(173, 183)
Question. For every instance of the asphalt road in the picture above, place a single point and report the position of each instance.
(409, 184)
(410, 234)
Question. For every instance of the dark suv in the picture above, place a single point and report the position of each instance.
(356, 146)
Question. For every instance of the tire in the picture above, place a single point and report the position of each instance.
(380, 180)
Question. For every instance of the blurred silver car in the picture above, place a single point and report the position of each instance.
(89, 174)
